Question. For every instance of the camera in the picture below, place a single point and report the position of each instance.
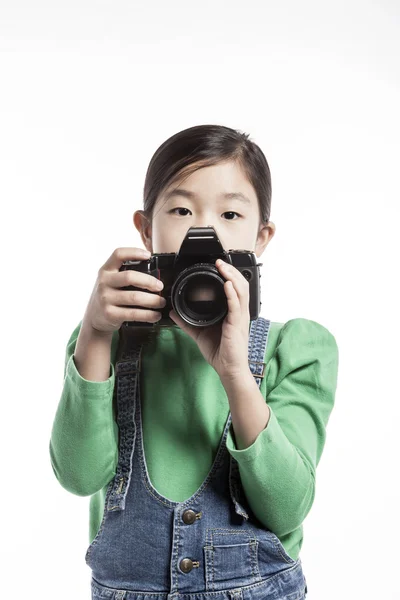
(193, 286)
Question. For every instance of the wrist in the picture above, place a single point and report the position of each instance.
(95, 334)
(243, 379)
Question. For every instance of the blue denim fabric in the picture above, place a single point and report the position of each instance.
(209, 547)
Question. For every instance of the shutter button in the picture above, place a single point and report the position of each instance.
(189, 517)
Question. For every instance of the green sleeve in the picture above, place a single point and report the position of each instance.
(278, 470)
(84, 437)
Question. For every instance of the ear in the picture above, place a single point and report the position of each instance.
(143, 225)
(265, 234)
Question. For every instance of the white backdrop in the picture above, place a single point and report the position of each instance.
(89, 90)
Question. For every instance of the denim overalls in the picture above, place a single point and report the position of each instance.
(209, 547)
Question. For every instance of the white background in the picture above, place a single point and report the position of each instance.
(89, 90)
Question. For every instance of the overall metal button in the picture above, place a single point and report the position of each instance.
(186, 565)
(189, 516)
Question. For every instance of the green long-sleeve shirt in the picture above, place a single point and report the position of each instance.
(185, 407)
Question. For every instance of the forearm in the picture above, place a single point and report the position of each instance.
(277, 481)
(250, 413)
(93, 354)
(84, 437)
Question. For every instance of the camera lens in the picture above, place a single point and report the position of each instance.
(199, 295)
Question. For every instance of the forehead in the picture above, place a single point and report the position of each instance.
(225, 178)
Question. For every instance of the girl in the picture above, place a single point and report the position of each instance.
(197, 445)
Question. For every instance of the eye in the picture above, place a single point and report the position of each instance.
(231, 212)
(178, 208)
(225, 213)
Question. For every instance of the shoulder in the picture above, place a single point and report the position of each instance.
(304, 329)
(302, 345)
(303, 333)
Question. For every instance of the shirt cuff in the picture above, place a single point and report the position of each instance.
(271, 433)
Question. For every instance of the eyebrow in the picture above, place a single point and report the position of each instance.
(191, 195)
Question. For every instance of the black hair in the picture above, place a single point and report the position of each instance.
(204, 145)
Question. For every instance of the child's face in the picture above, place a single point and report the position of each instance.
(237, 223)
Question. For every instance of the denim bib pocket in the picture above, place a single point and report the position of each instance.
(230, 559)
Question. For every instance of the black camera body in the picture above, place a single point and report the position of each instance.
(193, 286)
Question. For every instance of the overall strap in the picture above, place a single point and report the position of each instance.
(258, 338)
(127, 367)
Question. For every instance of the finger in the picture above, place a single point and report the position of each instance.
(120, 255)
(234, 307)
(240, 283)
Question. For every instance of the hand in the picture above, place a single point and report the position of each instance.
(225, 345)
(109, 304)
